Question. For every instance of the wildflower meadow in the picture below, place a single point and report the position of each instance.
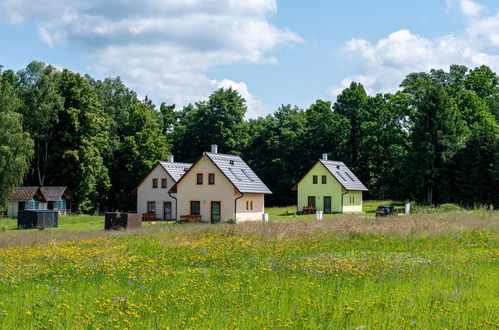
(420, 271)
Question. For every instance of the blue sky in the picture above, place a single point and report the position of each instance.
(273, 52)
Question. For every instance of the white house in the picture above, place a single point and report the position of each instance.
(153, 197)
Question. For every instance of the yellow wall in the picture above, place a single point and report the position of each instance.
(332, 188)
(146, 193)
(223, 190)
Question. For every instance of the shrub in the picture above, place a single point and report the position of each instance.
(231, 221)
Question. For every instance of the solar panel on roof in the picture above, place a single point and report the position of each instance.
(349, 176)
(341, 176)
(247, 175)
(234, 173)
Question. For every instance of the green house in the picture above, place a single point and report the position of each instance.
(331, 187)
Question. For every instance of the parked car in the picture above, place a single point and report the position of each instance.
(385, 210)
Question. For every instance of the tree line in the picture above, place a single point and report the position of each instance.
(435, 140)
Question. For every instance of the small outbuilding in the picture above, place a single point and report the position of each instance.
(331, 187)
(39, 198)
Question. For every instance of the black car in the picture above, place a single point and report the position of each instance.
(384, 210)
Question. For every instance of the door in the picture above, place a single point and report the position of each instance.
(327, 204)
(167, 211)
(215, 212)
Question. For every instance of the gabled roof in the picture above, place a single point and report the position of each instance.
(237, 172)
(25, 194)
(52, 194)
(341, 173)
(176, 170)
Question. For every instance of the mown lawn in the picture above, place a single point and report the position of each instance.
(421, 271)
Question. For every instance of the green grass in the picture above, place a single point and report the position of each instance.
(69, 222)
(422, 271)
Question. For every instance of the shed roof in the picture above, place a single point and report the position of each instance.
(176, 170)
(343, 174)
(52, 194)
(24, 193)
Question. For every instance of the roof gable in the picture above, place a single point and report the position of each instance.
(239, 174)
(25, 194)
(173, 169)
(343, 175)
(52, 194)
(340, 172)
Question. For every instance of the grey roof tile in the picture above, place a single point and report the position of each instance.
(176, 170)
(239, 173)
(343, 174)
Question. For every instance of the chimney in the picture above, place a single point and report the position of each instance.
(324, 156)
(170, 158)
(214, 149)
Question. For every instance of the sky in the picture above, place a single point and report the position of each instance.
(273, 52)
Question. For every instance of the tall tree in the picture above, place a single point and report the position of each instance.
(80, 140)
(351, 104)
(40, 106)
(16, 147)
(436, 137)
(220, 120)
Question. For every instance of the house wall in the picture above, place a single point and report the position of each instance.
(13, 209)
(332, 188)
(353, 205)
(146, 193)
(222, 190)
(255, 214)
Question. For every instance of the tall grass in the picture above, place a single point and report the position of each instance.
(422, 271)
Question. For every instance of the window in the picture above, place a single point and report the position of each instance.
(311, 200)
(247, 175)
(247, 205)
(324, 179)
(199, 178)
(314, 179)
(155, 183)
(163, 183)
(352, 199)
(234, 174)
(211, 178)
(151, 207)
(251, 205)
(195, 207)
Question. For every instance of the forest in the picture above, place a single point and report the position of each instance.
(435, 140)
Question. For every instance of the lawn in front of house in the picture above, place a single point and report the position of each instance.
(289, 212)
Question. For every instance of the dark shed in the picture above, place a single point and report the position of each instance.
(37, 219)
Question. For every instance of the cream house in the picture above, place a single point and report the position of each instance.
(153, 197)
(220, 187)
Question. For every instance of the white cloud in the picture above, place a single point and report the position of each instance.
(385, 63)
(255, 107)
(166, 48)
(470, 8)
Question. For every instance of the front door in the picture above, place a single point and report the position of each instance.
(327, 204)
(215, 212)
(167, 211)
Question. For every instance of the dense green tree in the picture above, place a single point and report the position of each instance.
(220, 120)
(476, 176)
(352, 103)
(437, 135)
(142, 145)
(41, 102)
(79, 143)
(16, 147)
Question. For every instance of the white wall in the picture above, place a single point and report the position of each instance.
(146, 193)
(254, 214)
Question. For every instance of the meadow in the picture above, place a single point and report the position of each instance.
(427, 270)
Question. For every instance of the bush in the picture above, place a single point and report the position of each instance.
(231, 221)
(448, 207)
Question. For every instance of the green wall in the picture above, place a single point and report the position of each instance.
(332, 188)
